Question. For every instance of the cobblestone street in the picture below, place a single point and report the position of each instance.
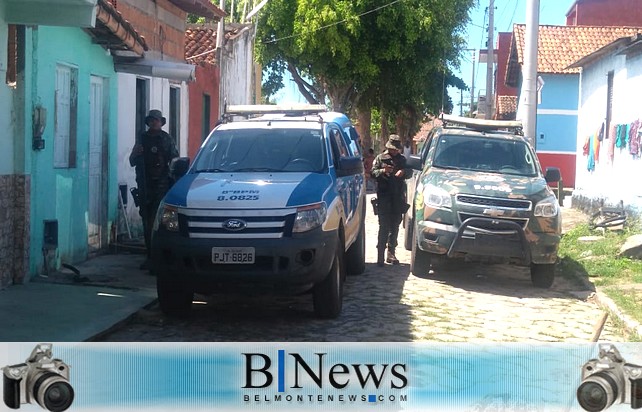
(470, 303)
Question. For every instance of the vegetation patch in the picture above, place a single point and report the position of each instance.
(620, 278)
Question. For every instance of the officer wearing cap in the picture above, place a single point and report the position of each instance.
(151, 155)
(389, 169)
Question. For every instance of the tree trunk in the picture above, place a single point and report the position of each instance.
(364, 120)
(402, 126)
(385, 128)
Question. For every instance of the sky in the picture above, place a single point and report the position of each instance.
(507, 12)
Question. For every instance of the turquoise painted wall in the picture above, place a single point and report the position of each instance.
(57, 193)
(558, 132)
(561, 91)
(6, 104)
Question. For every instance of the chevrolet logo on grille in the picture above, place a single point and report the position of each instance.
(494, 212)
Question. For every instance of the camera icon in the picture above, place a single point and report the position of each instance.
(609, 380)
(41, 379)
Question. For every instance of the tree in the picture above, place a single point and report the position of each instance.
(360, 54)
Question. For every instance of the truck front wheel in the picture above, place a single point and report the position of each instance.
(175, 298)
(543, 275)
(356, 255)
(328, 295)
(419, 260)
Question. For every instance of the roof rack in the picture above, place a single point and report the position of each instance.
(482, 124)
(258, 109)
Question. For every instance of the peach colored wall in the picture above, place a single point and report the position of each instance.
(207, 82)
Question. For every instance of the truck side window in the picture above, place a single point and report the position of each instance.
(339, 148)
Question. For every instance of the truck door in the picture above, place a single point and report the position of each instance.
(347, 185)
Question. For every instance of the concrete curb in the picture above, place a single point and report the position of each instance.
(98, 337)
(630, 323)
(607, 303)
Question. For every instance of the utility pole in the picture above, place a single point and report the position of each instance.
(529, 95)
(461, 102)
(490, 60)
(220, 36)
(472, 87)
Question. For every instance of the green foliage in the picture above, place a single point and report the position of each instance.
(390, 55)
(598, 261)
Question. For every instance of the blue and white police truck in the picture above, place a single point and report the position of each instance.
(274, 202)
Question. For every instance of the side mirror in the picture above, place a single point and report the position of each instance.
(553, 174)
(414, 162)
(178, 167)
(350, 166)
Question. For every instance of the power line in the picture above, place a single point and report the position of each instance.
(501, 16)
(513, 16)
(481, 43)
(335, 23)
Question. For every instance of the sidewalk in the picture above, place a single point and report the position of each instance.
(66, 307)
(69, 307)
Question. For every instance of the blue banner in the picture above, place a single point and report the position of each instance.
(325, 376)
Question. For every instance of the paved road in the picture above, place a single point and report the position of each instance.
(465, 303)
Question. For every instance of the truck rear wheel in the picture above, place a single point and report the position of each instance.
(328, 295)
(543, 276)
(175, 298)
(419, 261)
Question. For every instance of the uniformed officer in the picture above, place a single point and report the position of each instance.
(151, 155)
(389, 169)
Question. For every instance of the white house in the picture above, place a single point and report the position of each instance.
(609, 156)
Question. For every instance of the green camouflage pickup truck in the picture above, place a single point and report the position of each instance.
(479, 194)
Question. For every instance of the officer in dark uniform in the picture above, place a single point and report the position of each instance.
(389, 169)
(151, 155)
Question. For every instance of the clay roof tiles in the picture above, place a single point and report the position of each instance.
(506, 107)
(200, 42)
(561, 46)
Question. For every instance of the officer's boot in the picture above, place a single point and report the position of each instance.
(391, 258)
(380, 252)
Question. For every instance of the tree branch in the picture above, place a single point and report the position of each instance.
(306, 89)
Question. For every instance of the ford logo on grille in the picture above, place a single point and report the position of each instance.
(234, 225)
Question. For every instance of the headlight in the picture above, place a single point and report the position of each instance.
(167, 217)
(309, 217)
(547, 207)
(436, 197)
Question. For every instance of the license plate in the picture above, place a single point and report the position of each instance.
(234, 256)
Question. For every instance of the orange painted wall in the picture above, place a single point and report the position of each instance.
(208, 79)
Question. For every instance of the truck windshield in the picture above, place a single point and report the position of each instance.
(485, 155)
(262, 150)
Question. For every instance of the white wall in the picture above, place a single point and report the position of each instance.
(237, 64)
(612, 180)
(158, 99)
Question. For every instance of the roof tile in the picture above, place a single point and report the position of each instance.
(200, 43)
(561, 46)
(506, 107)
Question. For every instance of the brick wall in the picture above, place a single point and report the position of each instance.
(605, 13)
(161, 23)
(14, 228)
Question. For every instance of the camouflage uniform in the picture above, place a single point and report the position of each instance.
(391, 199)
(152, 176)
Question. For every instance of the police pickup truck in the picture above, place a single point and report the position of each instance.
(273, 202)
(479, 194)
